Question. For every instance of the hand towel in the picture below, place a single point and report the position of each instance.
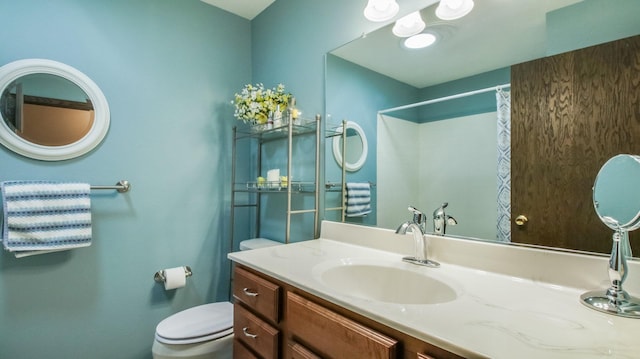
(45, 216)
(358, 199)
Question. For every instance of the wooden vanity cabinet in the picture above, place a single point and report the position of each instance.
(256, 314)
(273, 319)
(334, 335)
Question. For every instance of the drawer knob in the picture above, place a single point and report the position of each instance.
(245, 330)
(249, 292)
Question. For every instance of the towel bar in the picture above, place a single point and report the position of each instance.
(122, 186)
(330, 185)
(159, 276)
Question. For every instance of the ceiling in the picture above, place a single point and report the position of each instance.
(496, 34)
(245, 8)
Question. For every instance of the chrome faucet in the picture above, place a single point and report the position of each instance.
(441, 220)
(417, 227)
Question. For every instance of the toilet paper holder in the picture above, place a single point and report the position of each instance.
(160, 277)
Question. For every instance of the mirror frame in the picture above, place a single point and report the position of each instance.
(337, 151)
(611, 222)
(14, 70)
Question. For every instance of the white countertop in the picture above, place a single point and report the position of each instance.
(495, 315)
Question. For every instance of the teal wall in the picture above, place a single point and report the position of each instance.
(168, 69)
(598, 21)
(289, 43)
(357, 94)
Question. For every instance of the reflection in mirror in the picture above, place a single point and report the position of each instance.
(354, 73)
(46, 109)
(50, 111)
(443, 158)
(355, 147)
(616, 193)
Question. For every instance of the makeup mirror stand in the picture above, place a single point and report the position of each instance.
(615, 300)
(616, 200)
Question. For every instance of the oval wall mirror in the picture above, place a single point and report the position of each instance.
(616, 192)
(50, 111)
(356, 146)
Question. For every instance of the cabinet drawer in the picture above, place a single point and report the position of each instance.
(331, 335)
(257, 293)
(255, 333)
(241, 352)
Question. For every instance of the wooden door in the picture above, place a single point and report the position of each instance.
(570, 113)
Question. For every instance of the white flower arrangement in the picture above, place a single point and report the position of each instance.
(254, 103)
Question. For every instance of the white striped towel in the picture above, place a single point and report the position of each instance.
(358, 199)
(45, 216)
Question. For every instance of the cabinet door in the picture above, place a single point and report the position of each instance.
(257, 293)
(333, 336)
(256, 334)
(298, 351)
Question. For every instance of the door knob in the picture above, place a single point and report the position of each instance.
(521, 220)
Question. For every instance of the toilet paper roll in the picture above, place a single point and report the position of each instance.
(174, 278)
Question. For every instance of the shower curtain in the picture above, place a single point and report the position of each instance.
(504, 166)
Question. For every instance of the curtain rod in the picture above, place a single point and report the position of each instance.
(446, 98)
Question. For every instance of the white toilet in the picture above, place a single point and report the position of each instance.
(205, 331)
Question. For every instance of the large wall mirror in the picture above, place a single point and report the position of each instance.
(411, 147)
(50, 111)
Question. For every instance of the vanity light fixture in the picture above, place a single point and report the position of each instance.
(381, 10)
(409, 25)
(420, 41)
(453, 9)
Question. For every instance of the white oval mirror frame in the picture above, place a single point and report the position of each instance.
(14, 70)
(337, 150)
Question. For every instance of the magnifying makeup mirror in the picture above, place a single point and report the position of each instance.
(616, 199)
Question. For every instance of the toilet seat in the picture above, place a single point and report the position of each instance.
(198, 324)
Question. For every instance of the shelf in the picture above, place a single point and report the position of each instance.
(304, 126)
(255, 192)
(274, 187)
(333, 130)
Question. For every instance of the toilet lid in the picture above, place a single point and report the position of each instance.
(197, 324)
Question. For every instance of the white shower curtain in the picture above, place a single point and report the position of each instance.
(504, 166)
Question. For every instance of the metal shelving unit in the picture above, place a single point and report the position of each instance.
(330, 187)
(289, 189)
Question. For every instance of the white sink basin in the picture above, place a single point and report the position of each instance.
(388, 282)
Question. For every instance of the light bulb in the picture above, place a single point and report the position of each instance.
(409, 25)
(453, 9)
(381, 10)
(452, 4)
(420, 41)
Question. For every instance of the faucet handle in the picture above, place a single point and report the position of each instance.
(418, 216)
(440, 210)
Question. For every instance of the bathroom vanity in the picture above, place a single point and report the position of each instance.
(276, 320)
(348, 294)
